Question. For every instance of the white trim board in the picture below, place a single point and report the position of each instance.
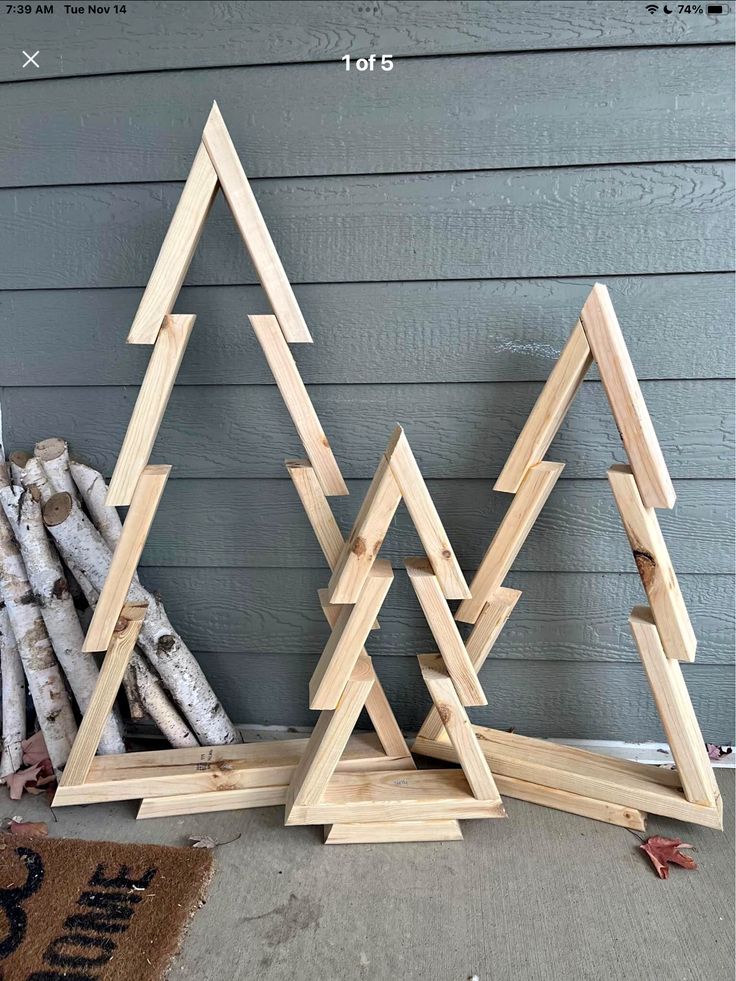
(653, 753)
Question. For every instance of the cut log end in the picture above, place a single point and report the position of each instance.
(50, 449)
(20, 458)
(57, 509)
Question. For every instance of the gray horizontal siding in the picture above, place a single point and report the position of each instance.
(193, 35)
(615, 220)
(575, 700)
(455, 430)
(443, 224)
(260, 523)
(563, 617)
(451, 331)
(488, 112)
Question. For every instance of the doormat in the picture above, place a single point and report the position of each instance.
(95, 910)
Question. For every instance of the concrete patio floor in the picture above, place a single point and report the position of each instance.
(542, 895)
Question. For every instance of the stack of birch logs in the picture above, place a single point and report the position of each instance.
(57, 537)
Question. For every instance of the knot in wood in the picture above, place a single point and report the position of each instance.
(646, 565)
(166, 644)
(445, 713)
(359, 547)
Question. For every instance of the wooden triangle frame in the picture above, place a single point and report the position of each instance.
(178, 781)
(570, 779)
(416, 805)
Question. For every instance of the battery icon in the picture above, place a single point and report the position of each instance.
(715, 8)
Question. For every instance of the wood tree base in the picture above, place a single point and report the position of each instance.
(390, 831)
(575, 780)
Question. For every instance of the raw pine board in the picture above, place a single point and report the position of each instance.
(277, 116)
(578, 530)
(565, 699)
(448, 425)
(471, 331)
(560, 617)
(228, 34)
(657, 218)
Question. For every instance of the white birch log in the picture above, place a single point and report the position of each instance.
(54, 456)
(92, 487)
(135, 703)
(45, 682)
(76, 536)
(152, 696)
(13, 699)
(51, 592)
(34, 477)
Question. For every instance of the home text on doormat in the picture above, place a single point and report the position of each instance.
(94, 910)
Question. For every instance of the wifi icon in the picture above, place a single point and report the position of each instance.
(652, 8)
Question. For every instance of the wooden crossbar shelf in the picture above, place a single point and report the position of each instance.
(212, 769)
(389, 796)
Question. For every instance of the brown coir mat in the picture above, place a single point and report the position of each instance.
(94, 910)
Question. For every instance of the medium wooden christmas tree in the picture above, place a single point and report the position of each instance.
(571, 779)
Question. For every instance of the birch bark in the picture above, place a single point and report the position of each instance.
(77, 539)
(51, 593)
(13, 699)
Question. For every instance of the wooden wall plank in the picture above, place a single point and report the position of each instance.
(454, 430)
(578, 530)
(382, 311)
(567, 700)
(155, 35)
(469, 331)
(560, 617)
(491, 111)
(657, 219)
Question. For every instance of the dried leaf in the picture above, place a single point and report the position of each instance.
(716, 752)
(46, 781)
(17, 781)
(663, 850)
(34, 749)
(33, 829)
(205, 841)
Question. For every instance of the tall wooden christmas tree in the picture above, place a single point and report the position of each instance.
(214, 777)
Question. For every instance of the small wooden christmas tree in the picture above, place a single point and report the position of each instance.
(417, 805)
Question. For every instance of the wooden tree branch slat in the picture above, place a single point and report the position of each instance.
(153, 397)
(126, 557)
